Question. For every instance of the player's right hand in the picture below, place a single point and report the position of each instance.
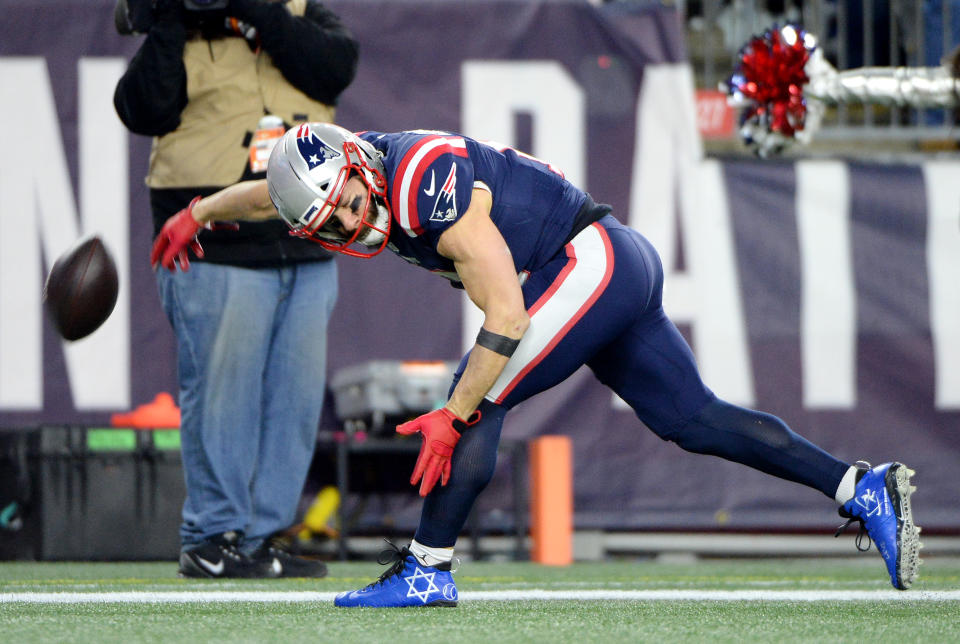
(436, 450)
(176, 236)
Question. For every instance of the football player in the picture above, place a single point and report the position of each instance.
(561, 284)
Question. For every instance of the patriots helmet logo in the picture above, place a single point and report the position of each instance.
(312, 148)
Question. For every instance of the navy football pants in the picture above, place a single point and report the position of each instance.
(598, 302)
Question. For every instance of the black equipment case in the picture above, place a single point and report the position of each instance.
(81, 493)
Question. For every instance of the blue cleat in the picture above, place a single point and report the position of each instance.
(406, 583)
(882, 506)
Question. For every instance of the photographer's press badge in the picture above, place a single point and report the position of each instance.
(269, 131)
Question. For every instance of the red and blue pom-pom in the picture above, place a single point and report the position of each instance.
(768, 82)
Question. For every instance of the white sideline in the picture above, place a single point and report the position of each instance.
(174, 597)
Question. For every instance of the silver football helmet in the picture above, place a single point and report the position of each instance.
(306, 174)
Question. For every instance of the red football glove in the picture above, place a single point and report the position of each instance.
(178, 234)
(439, 439)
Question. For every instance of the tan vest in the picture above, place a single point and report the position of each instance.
(229, 88)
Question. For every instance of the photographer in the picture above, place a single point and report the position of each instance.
(216, 82)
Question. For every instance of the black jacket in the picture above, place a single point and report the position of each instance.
(318, 56)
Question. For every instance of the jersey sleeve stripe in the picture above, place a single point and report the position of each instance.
(410, 173)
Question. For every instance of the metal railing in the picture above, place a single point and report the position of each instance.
(852, 34)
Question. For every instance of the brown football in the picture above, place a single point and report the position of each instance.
(81, 289)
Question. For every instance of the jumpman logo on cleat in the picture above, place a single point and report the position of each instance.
(869, 502)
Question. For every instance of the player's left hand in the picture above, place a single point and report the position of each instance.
(177, 235)
(440, 436)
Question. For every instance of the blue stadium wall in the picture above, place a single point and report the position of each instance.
(824, 291)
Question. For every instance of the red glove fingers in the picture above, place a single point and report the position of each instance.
(177, 235)
(439, 439)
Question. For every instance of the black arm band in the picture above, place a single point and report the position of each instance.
(497, 343)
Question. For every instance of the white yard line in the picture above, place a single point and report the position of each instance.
(174, 597)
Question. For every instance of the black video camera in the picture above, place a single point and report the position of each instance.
(137, 16)
(205, 5)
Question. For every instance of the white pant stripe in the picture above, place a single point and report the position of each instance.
(559, 308)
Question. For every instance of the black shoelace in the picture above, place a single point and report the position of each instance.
(228, 548)
(396, 556)
(862, 468)
(860, 534)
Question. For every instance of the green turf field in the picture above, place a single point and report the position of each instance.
(770, 600)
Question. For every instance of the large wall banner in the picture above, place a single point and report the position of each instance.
(826, 292)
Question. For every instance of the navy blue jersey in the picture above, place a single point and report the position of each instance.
(592, 290)
(431, 176)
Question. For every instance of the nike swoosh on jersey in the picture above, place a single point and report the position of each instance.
(214, 568)
(430, 192)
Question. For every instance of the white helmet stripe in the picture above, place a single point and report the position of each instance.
(410, 171)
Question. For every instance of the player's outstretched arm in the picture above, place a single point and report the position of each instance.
(246, 201)
(249, 200)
